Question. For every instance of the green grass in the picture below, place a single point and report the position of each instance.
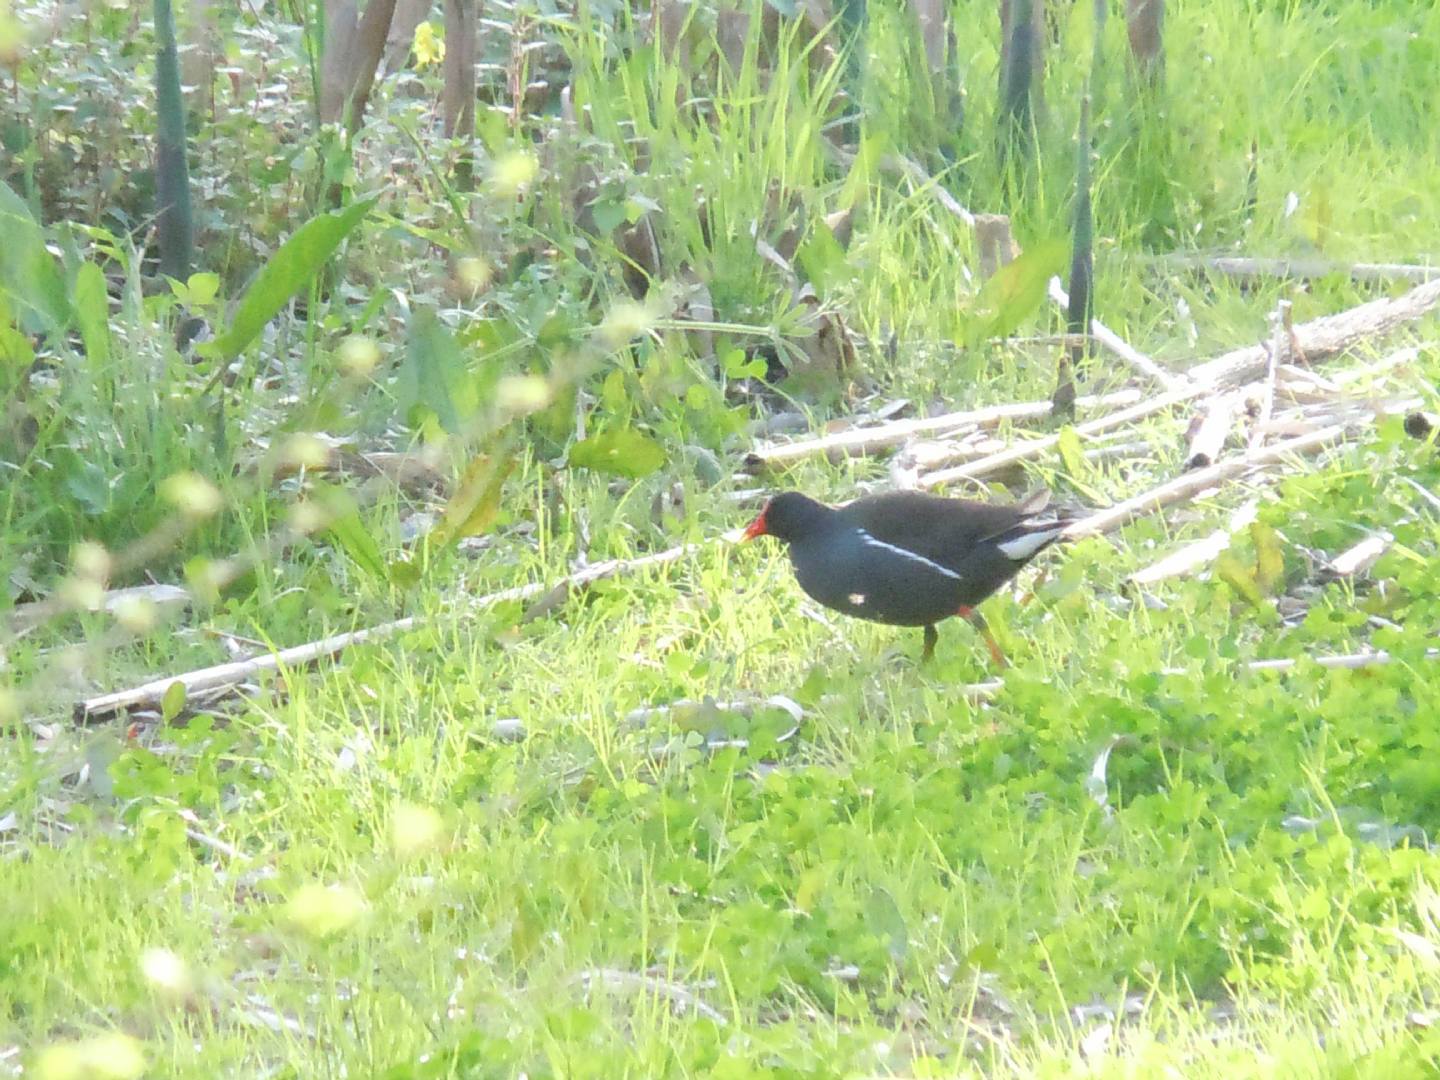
(351, 871)
(951, 853)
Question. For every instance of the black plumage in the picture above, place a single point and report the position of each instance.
(906, 558)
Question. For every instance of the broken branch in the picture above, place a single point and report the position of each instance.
(1112, 341)
(221, 679)
(1214, 428)
(1303, 268)
(868, 440)
(1326, 336)
(1281, 332)
(1183, 488)
(1198, 553)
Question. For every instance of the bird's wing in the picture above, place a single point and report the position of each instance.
(948, 531)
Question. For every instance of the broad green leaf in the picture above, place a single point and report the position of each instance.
(493, 127)
(1072, 453)
(172, 701)
(326, 910)
(607, 214)
(883, 919)
(111, 1055)
(405, 572)
(199, 291)
(698, 397)
(808, 891)
(822, 259)
(434, 374)
(289, 270)
(620, 451)
(1016, 291)
(739, 366)
(1269, 556)
(983, 957)
(472, 509)
(29, 274)
(92, 313)
(613, 394)
(348, 531)
(16, 356)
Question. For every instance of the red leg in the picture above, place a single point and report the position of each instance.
(978, 621)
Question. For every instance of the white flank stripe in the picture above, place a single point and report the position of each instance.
(869, 540)
(1022, 547)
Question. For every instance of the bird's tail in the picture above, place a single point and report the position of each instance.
(1043, 525)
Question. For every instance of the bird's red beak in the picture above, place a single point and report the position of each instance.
(755, 528)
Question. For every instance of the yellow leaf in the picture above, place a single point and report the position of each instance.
(12, 35)
(325, 910)
(415, 830)
(513, 173)
(192, 495)
(112, 1056)
(1239, 577)
(476, 500)
(1269, 556)
(428, 46)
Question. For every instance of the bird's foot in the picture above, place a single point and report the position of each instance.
(931, 637)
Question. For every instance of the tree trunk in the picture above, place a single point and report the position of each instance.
(197, 65)
(172, 173)
(353, 51)
(409, 14)
(461, 18)
(1022, 69)
(1145, 24)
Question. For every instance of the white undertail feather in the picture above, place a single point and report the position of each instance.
(1027, 544)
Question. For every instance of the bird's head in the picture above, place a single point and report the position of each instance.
(788, 517)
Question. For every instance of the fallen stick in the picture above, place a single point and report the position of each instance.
(1278, 352)
(1198, 553)
(1398, 358)
(1348, 661)
(926, 455)
(1035, 447)
(926, 182)
(113, 602)
(1182, 488)
(679, 997)
(1304, 384)
(930, 457)
(867, 440)
(1106, 337)
(1234, 266)
(1108, 451)
(1424, 492)
(1326, 336)
(1361, 557)
(1213, 430)
(222, 678)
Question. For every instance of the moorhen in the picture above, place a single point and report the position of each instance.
(907, 558)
